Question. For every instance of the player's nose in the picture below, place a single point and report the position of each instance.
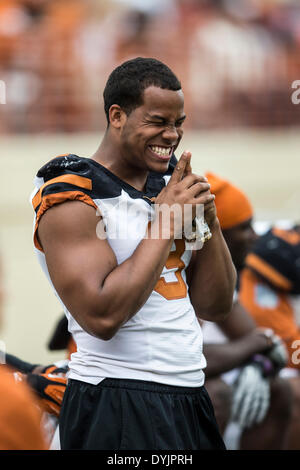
(171, 135)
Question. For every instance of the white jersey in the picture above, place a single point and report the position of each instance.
(162, 342)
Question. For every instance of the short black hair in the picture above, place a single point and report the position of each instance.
(127, 82)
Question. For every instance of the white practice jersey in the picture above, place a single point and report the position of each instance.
(162, 342)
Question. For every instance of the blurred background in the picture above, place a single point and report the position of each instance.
(238, 62)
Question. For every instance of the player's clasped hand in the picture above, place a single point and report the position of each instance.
(185, 189)
(277, 353)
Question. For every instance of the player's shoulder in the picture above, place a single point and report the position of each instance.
(65, 164)
(70, 174)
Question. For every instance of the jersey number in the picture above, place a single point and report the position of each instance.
(176, 289)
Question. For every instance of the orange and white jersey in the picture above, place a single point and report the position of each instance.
(162, 342)
(271, 308)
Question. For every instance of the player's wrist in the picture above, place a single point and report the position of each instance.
(264, 363)
(214, 225)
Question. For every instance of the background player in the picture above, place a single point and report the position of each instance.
(263, 426)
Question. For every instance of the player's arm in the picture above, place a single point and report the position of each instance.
(246, 340)
(212, 276)
(99, 293)
(241, 322)
(226, 356)
(16, 364)
(83, 268)
(238, 323)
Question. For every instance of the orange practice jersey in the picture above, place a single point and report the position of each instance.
(271, 308)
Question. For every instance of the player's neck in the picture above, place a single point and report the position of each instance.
(110, 157)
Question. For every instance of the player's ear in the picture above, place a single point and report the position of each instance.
(117, 117)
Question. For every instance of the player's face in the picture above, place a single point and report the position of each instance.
(153, 131)
(240, 240)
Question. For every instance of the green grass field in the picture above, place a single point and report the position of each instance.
(265, 164)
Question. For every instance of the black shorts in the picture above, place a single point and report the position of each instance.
(122, 414)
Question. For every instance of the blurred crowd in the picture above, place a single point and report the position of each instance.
(237, 59)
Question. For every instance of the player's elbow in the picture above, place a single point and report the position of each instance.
(107, 322)
(95, 314)
(106, 335)
(102, 328)
(103, 325)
